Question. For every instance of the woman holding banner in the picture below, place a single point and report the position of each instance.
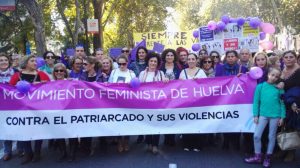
(60, 72)
(152, 74)
(171, 71)
(30, 74)
(92, 73)
(192, 141)
(137, 67)
(122, 75)
(6, 72)
(231, 67)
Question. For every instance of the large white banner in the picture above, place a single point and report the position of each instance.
(47, 124)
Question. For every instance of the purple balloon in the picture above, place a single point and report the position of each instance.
(135, 83)
(232, 20)
(196, 47)
(256, 72)
(262, 35)
(40, 62)
(221, 25)
(23, 86)
(225, 19)
(196, 33)
(212, 25)
(240, 21)
(254, 22)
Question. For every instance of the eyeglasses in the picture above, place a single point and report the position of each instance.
(123, 51)
(49, 57)
(85, 64)
(59, 70)
(122, 64)
(205, 62)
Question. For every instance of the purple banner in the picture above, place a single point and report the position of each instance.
(63, 95)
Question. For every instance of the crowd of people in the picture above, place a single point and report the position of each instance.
(281, 75)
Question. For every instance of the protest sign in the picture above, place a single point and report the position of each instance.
(233, 37)
(168, 39)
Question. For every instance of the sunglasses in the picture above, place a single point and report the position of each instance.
(85, 64)
(123, 51)
(215, 56)
(122, 64)
(205, 62)
(59, 70)
(49, 57)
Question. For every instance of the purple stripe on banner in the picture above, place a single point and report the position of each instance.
(60, 95)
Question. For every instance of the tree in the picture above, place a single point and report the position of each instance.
(36, 16)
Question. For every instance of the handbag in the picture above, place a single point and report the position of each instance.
(288, 140)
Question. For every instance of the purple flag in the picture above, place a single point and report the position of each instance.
(134, 50)
(115, 52)
(158, 47)
(70, 52)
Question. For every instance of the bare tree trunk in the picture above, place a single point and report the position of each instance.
(37, 19)
(77, 22)
(99, 9)
(64, 18)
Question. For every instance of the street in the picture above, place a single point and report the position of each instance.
(137, 157)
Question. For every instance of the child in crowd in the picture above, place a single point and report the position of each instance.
(267, 108)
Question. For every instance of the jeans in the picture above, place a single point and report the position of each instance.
(273, 125)
(8, 146)
(27, 146)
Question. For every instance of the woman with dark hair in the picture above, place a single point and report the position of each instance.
(139, 65)
(207, 65)
(152, 74)
(182, 54)
(192, 141)
(6, 72)
(216, 57)
(76, 67)
(202, 53)
(171, 71)
(169, 66)
(231, 67)
(291, 79)
(122, 75)
(30, 74)
(50, 59)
